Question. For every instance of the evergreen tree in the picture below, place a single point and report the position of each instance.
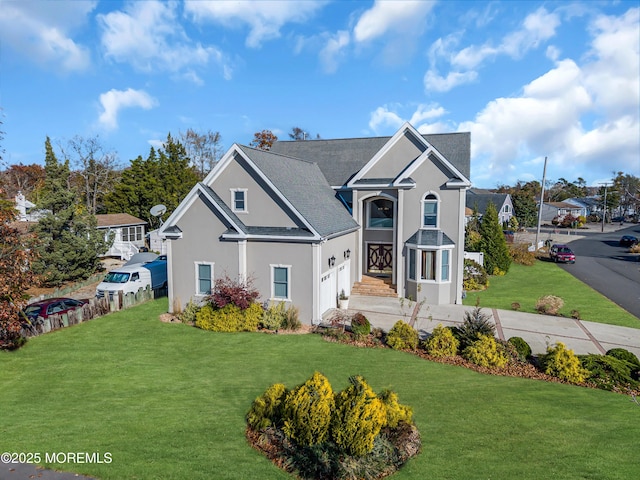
(493, 243)
(165, 177)
(68, 241)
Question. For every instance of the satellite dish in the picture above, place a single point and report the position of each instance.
(158, 211)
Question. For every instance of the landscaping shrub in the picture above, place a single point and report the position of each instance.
(520, 254)
(360, 325)
(626, 355)
(608, 372)
(475, 276)
(227, 291)
(307, 411)
(475, 324)
(402, 336)
(359, 415)
(273, 317)
(266, 410)
(635, 248)
(230, 318)
(291, 320)
(441, 343)
(188, 315)
(562, 363)
(396, 413)
(486, 352)
(549, 305)
(369, 436)
(515, 306)
(521, 346)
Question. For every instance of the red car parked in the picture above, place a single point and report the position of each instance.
(52, 306)
(562, 253)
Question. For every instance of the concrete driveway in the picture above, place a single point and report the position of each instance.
(538, 330)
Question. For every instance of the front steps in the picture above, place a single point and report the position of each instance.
(374, 287)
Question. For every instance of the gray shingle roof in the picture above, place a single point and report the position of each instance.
(430, 238)
(482, 200)
(306, 189)
(339, 160)
(223, 206)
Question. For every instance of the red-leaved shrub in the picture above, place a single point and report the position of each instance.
(229, 291)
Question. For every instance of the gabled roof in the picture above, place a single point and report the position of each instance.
(306, 189)
(106, 220)
(339, 160)
(477, 198)
(300, 185)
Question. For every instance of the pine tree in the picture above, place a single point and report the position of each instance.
(493, 243)
(165, 177)
(68, 241)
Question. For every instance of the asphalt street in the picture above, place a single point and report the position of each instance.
(608, 268)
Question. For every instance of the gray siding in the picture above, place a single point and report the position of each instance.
(401, 154)
(262, 208)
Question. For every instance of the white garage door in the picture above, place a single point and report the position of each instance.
(327, 291)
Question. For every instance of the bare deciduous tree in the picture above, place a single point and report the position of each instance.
(204, 149)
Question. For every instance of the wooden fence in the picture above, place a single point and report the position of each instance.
(96, 307)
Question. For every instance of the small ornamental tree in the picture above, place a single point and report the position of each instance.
(358, 417)
(493, 243)
(307, 411)
(16, 277)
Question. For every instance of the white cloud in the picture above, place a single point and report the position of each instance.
(436, 83)
(41, 31)
(536, 28)
(148, 35)
(386, 119)
(583, 117)
(115, 100)
(333, 51)
(264, 18)
(402, 17)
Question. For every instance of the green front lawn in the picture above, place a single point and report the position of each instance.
(525, 285)
(168, 402)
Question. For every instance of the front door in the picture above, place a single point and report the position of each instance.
(380, 258)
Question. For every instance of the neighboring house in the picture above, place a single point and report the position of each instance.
(128, 233)
(26, 210)
(479, 199)
(307, 219)
(591, 205)
(559, 210)
(156, 243)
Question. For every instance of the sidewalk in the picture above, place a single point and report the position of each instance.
(537, 330)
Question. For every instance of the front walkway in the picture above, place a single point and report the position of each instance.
(538, 330)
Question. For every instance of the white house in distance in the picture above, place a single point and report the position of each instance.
(128, 231)
(311, 218)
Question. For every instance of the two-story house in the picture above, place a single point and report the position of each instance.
(307, 219)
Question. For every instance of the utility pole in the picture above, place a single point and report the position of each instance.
(544, 178)
(604, 205)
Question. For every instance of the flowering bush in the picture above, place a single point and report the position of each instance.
(236, 292)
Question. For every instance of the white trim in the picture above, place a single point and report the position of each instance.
(244, 199)
(272, 268)
(438, 263)
(316, 268)
(242, 260)
(438, 203)
(196, 264)
(170, 289)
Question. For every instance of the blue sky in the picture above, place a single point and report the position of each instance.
(528, 79)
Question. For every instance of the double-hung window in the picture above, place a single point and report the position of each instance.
(204, 278)
(430, 211)
(239, 200)
(281, 282)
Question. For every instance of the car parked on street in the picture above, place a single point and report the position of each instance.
(562, 253)
(52, 306)
(628, 241)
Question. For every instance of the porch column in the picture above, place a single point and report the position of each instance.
(357, 216)
(398, 271)
(316, 315)
(242, 260)
(460, 246)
